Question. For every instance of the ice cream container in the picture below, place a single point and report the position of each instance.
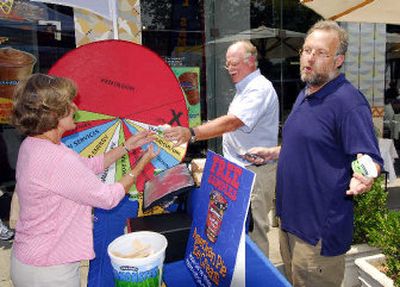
(138, 271)
(365, 166)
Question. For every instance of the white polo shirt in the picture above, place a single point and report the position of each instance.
(256, 105)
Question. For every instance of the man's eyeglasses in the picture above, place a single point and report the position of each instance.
(317, 52)
(229, 65)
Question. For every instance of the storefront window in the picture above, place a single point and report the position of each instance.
(392, 80)
(192, 37)
(45, 32)
(175, 31)
(197, 33)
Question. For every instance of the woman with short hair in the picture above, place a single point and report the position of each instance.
(57, 188)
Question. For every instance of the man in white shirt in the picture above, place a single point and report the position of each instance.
(252, 119)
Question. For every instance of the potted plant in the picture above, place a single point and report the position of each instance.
(387, 239)
(380, 228)
(369, 274)
(367, 207)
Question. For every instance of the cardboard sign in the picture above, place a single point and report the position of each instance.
(215, 252)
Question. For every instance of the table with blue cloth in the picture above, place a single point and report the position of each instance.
(259, 271)
(109, 224)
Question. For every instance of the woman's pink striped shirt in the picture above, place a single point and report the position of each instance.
(57, 189)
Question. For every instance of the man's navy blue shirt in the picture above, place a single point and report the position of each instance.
(321, 137)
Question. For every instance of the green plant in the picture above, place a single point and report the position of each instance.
(387, 238)
(367, 209)
(375, 225)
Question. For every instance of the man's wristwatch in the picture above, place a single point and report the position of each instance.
(192, 136)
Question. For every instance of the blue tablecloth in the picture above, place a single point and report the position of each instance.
(259, 271)
(109, 224)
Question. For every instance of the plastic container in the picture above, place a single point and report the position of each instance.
(135, 272)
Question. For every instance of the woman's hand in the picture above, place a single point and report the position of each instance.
(149, 154)
(131, 143)
(130, 178)
(139, 139)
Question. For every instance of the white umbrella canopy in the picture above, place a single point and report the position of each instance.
(366, 11)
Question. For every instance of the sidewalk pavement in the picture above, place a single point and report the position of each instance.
(5, 253)
(5, 248)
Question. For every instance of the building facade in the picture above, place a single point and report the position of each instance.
(194, 35)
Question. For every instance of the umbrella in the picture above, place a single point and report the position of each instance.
(285, 44)
(393, 45)
(258, 33)
(393, 38)
(367, 11)
(277, 42)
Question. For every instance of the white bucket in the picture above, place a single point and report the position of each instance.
(135, 272)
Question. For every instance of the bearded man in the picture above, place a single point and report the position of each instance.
(329, 126)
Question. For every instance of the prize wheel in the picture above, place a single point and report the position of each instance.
(123, 88)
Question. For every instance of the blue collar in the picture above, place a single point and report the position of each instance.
(328, 89)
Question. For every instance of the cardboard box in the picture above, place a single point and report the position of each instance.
(198, 164)
(197, 178)
(197, 168)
